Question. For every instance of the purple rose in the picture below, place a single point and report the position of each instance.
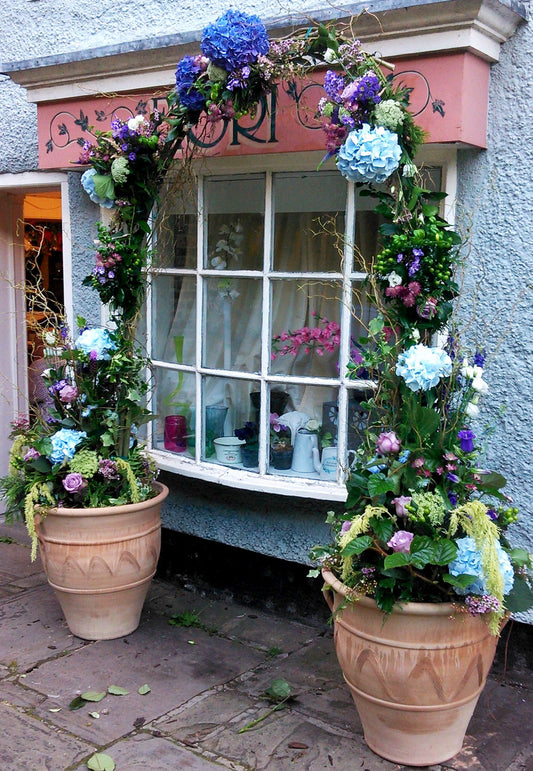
(31, 454)
(68, 394)
(401, 541)
(400, 503)
(74, 482)
(388, 442)
(466, 437)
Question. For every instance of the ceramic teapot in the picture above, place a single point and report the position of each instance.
(328, 467)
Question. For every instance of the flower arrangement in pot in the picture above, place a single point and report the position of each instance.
(420, 574)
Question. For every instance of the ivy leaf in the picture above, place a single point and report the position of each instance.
(520, 557)
(462, 581)
(357, 546)
(396, 560)
(116, 690)
(379, 485)
(101, 762)
(93, 695)
(383, 528)
(444, 551)
(422, 551)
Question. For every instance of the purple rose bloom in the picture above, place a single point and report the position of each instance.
(74, 482)
(401, 541)
(68, 394)
(400, 503)
(466, 437)
(31, 454)
(388, 442)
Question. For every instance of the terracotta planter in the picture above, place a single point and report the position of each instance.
(415, 676)
(100, 563)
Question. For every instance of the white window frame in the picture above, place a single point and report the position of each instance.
(443, 156)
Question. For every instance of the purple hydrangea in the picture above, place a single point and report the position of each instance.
(234, 40)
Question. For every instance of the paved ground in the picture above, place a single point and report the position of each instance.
(206, 683)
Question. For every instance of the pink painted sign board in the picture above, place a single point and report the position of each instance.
(449, 99)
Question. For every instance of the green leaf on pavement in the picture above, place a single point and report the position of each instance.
(144, 689)
(93, 695)
(101, 762)
(116, 690)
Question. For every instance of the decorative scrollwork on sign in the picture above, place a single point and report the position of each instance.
(420, 93)
(67, 128)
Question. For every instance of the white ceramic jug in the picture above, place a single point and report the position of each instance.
(328, 467)
(304, 444)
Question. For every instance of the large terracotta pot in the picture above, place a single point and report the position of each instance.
(415, 675)
(100, 563)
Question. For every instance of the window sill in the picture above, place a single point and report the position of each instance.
(280, 483)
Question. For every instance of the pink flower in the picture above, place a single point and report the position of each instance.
(418, 462)
(401, 541)
(400, 503)
(388, 442)
(68, 394)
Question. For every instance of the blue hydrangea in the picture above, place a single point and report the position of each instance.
(422, 367)
(369, 154)
(87, 182)
(235, 39)
(468, 561)
(64, 444)
(96, 343)
(186, 73)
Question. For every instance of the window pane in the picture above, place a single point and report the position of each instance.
(307, 313)
(233, 313)
(174, 428)
(235, 221)
(227, 406)
(177, 224)
(174, 318)
(309, 221)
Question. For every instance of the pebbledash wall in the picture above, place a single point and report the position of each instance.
(494, 199)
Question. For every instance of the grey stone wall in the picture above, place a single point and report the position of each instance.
(495, 198)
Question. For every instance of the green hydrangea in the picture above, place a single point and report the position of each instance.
(84, 462)
(429, 507)
(120, 170)
(389, 114)
(216, 74)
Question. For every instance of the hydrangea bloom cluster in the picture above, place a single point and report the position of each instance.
(97, 344)
(234, 40)
(369, 154)
(422, 368)
(469, 561)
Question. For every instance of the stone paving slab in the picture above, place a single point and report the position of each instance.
(151, 753)
(27, 744)
(176, 663)
(33, 628)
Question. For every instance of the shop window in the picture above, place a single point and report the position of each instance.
(247, 258)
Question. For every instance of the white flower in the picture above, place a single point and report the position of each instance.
(49, 338)
(472, 410)
(415, 334)
(46, 373)
(394, 279)
(134, 123)
(330, 55)
(312, 425)
(479, 385)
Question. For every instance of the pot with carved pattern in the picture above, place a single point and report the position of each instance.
(100, 563)
(415, 675)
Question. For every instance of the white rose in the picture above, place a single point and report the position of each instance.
(134, 123)
(330, 55)
(479, 385)
(49, 338)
